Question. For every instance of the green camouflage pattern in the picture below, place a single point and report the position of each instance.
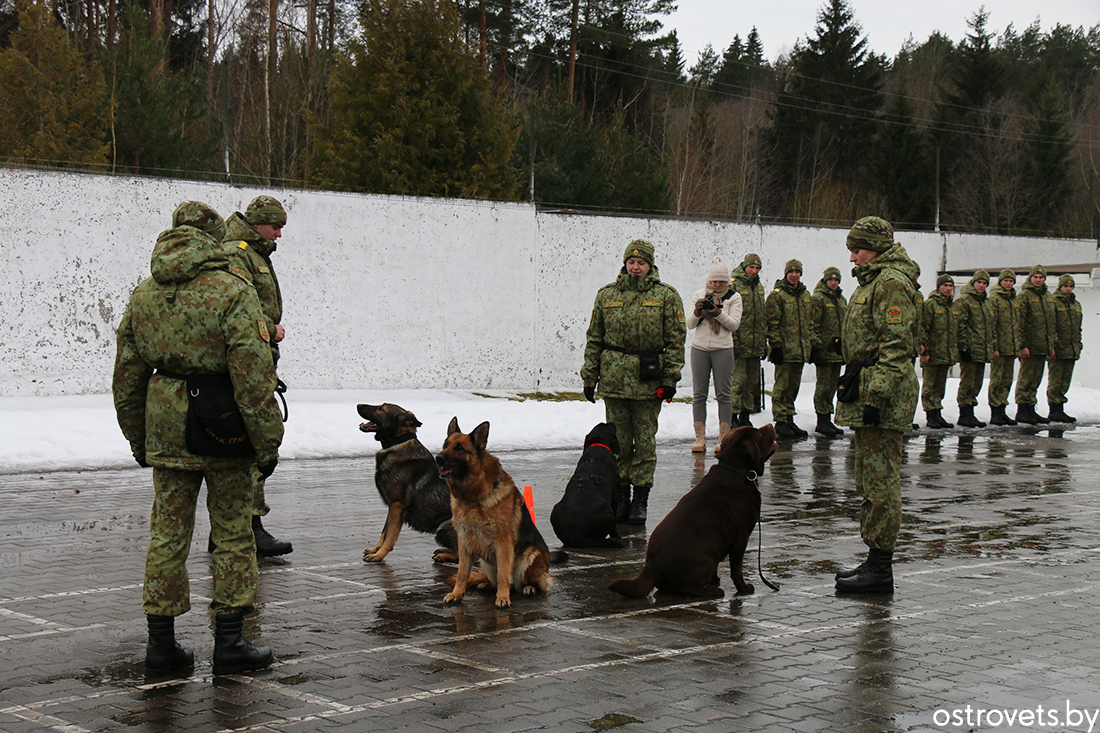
(1028, 378)
(788, 378)
(1036, 326)
(939, 326)
(1067, 326)
(1004, 313)
(201, 216)
(265, 210)
(976, 320)
(192, 316)
(642, 314)
(745, 385)
(166, 590)
(250, 257)
(790, 314)
(825, 387)
(635, 424)
(933, 385)
(918, 323)
(871, 232)
(878, 455)
(1000, 380)
(1059, 374)
(879, 324)
(829, 307)
(971, 376)
(750, 340)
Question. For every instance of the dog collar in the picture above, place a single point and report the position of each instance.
(600, 445)
(748, 473)
(396, 441)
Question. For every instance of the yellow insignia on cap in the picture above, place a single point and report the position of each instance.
(263, 330)
(635, 252)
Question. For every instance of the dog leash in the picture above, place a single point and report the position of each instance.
(755, 479)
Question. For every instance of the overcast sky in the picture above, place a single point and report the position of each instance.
(886, 25)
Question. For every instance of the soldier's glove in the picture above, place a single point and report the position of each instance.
(965, 356)
(665, 393)
(590, 393)
(776, 356)
(266, 468)
(872, 415)
(140, 458)
(835, 347)
(817, 355)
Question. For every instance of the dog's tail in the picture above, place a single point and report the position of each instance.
(636, 588)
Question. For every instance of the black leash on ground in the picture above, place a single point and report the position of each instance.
(280, 389)
(755, 479)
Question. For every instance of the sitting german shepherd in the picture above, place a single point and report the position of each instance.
(491, 521)
(408, 481)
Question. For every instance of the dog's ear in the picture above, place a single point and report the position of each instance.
(408, 420)
(453, 427)
(480, 435)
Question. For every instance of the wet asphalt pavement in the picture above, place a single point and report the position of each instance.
(994, 617)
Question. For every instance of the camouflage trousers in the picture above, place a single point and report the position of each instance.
(259, 501)
(745, 386)
(636, 424)
(933, 385)
(1027, 381)
(229, 497)
(825, 389)
(1000, 380)
(878, 455)
(1059, 372)
(788, 378)
(971, 375)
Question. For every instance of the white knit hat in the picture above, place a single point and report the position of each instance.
(718, 272)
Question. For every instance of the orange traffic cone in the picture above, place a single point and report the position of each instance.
(529, 500)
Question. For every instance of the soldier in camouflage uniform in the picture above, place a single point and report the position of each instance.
(1002, 297)
(251, 239)
(195, 317)
(977, 339)
(940, 332)
(878, 332)
(1035, 333)
(829, 309)
(749, 341)
(1067, 348)
(635, 320)
(790, 314)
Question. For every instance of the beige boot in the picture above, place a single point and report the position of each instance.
(723, 430)
(700, 438)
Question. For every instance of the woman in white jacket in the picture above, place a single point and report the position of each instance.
(716, 315)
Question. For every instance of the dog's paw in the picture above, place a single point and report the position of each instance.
(504, 601)
(452, 598)
(746, 589)
(530, 590)
(373, 555)
(443, 555)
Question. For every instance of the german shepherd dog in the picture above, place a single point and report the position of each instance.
(711, 522)
(585, 516)
(491, 521)
(408, 481)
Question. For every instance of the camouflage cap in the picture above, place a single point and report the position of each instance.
(751, 259)
(831, 273)
(1066, 279)
(265, 210)
(871, 232)
(639, 248)
(791, 266)
(1007, 273)
(944, 280)
(1037, 270)
(201, 216)
(980, 275)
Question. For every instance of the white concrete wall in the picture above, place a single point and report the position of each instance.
(387, 292)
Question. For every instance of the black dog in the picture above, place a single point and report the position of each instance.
(585, 516)
(408, 480)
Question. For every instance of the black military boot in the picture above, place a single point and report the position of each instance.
(799, 432)
(849, 572)
(639, 505)
(783, 431)
(875, 576)
(622, 503)
(1058, 414)
(998, 416)
(967, 419)
(266, 545)
(1026, 414)
(935, 420)
(825, 426)
(232, 652)
(743, 420)
(163, 655)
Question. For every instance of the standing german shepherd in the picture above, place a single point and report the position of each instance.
(408, 481)
(491, 521)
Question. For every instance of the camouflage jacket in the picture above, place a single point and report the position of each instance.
(879, 325)
(790, 313)
(1004, 312)
(250, 254)
(976, 318)
(192, 317)
(750, 339)
(1035, 326)
(634, 313)
(829, 309)
(1067, 317)
(939, 327)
